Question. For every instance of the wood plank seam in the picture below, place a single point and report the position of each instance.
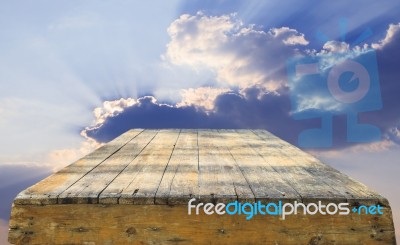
(277, 172)
(166, 166)
(176, 170)
(134, 179)
(241, 171)
(115, 152)
(131, 162)
(178, 184)
(379, 199)
(338, 195)
(98, 197)
(289, 183)
(220, 171)
(143, 181)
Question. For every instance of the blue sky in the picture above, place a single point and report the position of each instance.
(74, 74)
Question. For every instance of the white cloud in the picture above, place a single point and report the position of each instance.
(391, 34)
(242, 56)
(289, 36)
(324, 103)
(374, 147)
(111, 108)
(203, 97)
(336, 47)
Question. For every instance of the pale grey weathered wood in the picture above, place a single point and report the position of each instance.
(139, 181)
(171, 166)
(264, 181)
(220, 179)
(180, 181)
(353, 190)
(89, 187)
(48, 190)
(311, 188)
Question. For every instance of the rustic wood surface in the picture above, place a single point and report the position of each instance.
(172, 166)
(135, 190)
(165, 224)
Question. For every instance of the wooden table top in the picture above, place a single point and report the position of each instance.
(171, 166)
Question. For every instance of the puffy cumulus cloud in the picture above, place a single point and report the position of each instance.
(336, 47)
(146, 113)
(333, 52)
(251, 106)
(203, 97)
(388, 58)
(242, 56)
(392, 34)
(289, 36)
(111, 108)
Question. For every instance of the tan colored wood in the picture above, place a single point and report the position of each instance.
(89, 187)
(48, 190)
(354, 191)
(264, 181)
(311, 188)
(277, 168)
(139, 181)
(135, 189)
(163, 224)
(220, 178)
(180, 182)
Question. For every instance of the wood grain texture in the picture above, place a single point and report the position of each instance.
(135, 190)
(164, 224)
(180, 181)
(89, 187)
(264, 181)
(139, 181)
(48, 190)
(220, 178)
(154, 166)
(311, 188)
(354, 191)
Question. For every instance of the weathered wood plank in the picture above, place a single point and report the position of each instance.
(48, 190)
(86, 178)
(180, 182)
(264, 181)
(89, 187)
(354, 191)
(220, 178)
(163, 224)
(171, 166)
(310, 188)
(139, 181)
